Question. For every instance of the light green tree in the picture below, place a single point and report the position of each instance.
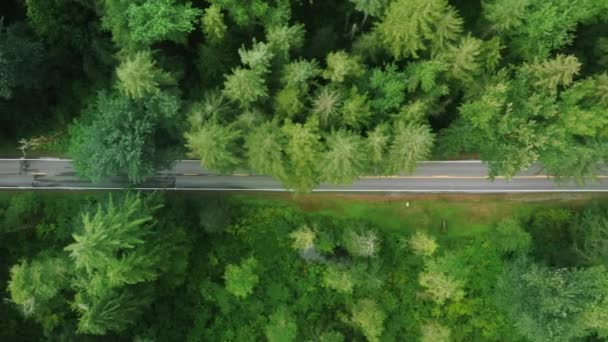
(245, 86)
(435, 332)
(303, 151)
(377, 145)
(282, 326)
(241, 279)
(216, 146)
(410, 144)
(423, 244)
(341, 66)
(440, 286)
(345, 158)
(213, 24)
(551, 304)
(369, 318)
(326, 106)
(36, 286)
(139, 76)
(356, 110)
(410, 27)
(265, 150)
(303, 238)
(282, 39)
(338, 279)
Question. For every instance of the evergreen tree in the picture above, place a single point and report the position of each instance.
(345, 159)
(216, 146)
(410, 145)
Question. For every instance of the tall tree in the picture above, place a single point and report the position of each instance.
(125, 135)
(410, 144)
(139, 76)
(550, 305)
(410, 27)
(265, 150)
(303, 150)
(345, 158)
(216, 146)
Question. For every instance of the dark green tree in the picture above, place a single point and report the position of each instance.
(125, 135)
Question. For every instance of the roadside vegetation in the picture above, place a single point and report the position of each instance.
(306, 91)
(167, 267)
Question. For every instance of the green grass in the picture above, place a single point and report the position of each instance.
(464, 215)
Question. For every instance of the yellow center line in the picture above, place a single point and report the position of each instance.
(38, 174)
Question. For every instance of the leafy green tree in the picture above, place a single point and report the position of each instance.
(282, 39)
(265, 150)
(535, 29)
(356, 110)
(258, 57)
(425, 74)
(326, 106)
(282, 327)
(590, 233)
(464, 59)
(139, 76)
(509, 237)
(21, 61)
(36, 286)
(241, 279)
(387, 89)
(303, 151)
(410, 144)
(245, 86)
(124, 135)
(248, 13)
(298, 73)
(555, 72)
(110, 311)
(435, 332)
(143, 23)
(440, 286)
(216, 146)
(411, 26)
(213, 24)
(112, 245)
(549, 304)
(369, 317)
(341, 66)
(372, 8)
(377, 144)
(345, 158)
(303, 238)
(365, 243)
(422, 244)
(288, 102)
(338, 279)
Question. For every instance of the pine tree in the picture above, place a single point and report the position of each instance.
(265, 150)
(410, 27)
(216, 146)
(139, 76)
(344, 160)
(410, 144)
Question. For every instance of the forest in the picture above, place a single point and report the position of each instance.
(167, 267)
(306, 91)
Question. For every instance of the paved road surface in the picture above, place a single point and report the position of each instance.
(436, 176)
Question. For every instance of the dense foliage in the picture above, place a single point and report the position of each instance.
(308, 91)
(168, 268)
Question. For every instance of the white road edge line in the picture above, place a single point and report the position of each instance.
(315, 190)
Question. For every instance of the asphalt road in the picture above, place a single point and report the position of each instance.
(430, 177)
